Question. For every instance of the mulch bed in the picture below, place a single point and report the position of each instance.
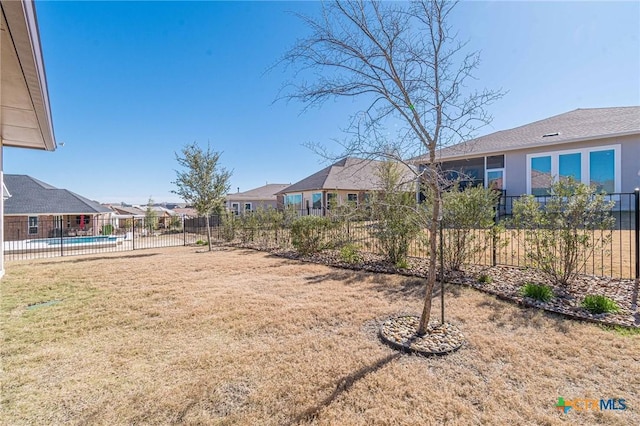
(505, 284)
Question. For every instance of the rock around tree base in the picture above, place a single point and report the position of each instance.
(400, 333)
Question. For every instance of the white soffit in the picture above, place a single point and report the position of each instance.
(26, 115)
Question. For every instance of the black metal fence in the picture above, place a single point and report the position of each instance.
(42, 237)
(618, 258)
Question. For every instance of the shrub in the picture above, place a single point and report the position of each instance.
(107, 229)
(308, 234)
(559, 232)
(485, 279)
(402, 264)
(247, 226)
(228, 226)
(540, 292)
(598, 304)
(463, 212)
(397, 223)
(349, 253)
(201, 243)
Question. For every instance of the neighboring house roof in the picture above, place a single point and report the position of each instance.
(347, 174)
(574, 126)
(158, 209)
(186, 211)
(264, 193)
(128, 211)
(29, 196)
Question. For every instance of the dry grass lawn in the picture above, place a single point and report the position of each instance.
(241, 337)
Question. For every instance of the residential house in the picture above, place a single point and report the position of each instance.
(599, 146)
(164, 216)
(350, 180)
(39, 210)
(186, 212)
(25, 115)
(259, 198)
(124, 217)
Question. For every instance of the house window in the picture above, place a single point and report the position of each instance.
(569, 166)
(494, 178)
(540, 175)
(602, 168)
(592, 166)
(294, 200)
(332, 199)
(352, 198)
(82, 220)
(235, 208)
(468, 172)
(33, 225)
(316, 198)
(247, 207)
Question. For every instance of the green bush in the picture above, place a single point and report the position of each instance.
(107, 229)
(463, 214)
(560, 233)
(485, 279)
(201, 243)
(598, 304)
(349, 253)
(228, 226)
(540, 292)
(402, 264)
(247, 226)
(395, 211)
(309, 234)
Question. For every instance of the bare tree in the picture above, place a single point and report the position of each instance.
(409, 68)
(203, 183)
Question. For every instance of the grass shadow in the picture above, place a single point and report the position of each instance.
(343, 385)
(94, 259)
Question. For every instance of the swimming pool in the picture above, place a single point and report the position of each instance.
(76, 240)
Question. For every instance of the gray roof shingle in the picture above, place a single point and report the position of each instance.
(264, 193)
(347, 174)
(573, 126)
(34, 197)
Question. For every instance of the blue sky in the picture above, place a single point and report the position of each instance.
(131, 83)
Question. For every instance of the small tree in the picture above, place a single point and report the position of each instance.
(406, 63)
(559, 229)
(150, 218)
(462, 213)
(203, 183)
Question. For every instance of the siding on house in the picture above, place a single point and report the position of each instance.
(562, 136)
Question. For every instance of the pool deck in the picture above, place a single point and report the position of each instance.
(53, 244)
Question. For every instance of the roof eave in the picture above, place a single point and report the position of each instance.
(525, 147)
(22, 22)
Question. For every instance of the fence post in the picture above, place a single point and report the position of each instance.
(133, 232)
(637, 231)
(494, 235)
(61, 239)
(184, 232)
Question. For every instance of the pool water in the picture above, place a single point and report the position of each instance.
(77, 240)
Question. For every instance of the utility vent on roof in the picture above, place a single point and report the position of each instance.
(548, 135)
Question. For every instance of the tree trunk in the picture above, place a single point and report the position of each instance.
(433, 261)
(208, 233)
